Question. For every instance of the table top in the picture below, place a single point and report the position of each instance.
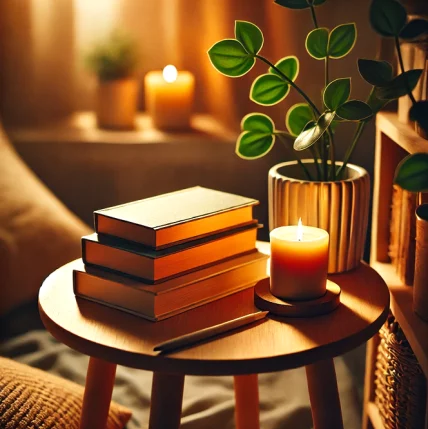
(271, 344)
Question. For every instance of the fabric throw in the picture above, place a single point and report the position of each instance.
(32, 398)
(208, 401)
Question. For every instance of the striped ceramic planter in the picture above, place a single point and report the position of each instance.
(340, 207)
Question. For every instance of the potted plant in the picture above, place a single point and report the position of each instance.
(114, 62)
(323, 191)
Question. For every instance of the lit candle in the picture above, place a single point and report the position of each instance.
(298, 262)
(169, 98)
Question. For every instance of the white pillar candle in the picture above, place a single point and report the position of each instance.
(169, 98)
(298, 262)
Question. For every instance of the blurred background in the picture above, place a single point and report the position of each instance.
(44, 81)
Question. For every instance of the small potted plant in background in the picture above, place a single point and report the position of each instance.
(114, 61)
(326, 193)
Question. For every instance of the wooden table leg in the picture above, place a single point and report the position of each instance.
(98, 391)
(167, 396)
(325, 402)
(247, 402)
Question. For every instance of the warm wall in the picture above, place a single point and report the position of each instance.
(42, 42)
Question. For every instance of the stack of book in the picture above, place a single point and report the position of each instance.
(161, 256)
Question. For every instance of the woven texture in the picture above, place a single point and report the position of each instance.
(31, 398)
(400, 388)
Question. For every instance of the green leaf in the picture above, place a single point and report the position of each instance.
(400, 85)
(412, 173)
(334, 125)
(377, 73)
(298, 4)
(337, 92)
(387, 17)
(257, 137)
(422, 211)
(268, 89)
(354, 110)
(230, 58)
(310, 124)
(297, 117)
(289, 66)
(414, 28)
(257, 122)
(375, 103)
(254, 144)
(249, 35)
(419, 113)
(317, 43)
(310, 136)
(341, 40)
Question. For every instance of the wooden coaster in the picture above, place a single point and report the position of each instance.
(264, 300)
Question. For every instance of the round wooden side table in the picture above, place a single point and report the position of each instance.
(113, 337)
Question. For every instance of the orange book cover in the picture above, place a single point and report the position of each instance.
(157, 265)
(175, 217)
(156, 302)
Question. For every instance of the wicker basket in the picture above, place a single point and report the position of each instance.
(400, 387)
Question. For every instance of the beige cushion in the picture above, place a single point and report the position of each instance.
(31, 398)
(37, 232)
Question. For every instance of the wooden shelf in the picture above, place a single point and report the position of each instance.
(402, 134)
(415, 329)
(81, 127)
(394, 140)
(374, 415)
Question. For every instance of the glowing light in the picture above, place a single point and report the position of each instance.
(170, 73)
(299, 230)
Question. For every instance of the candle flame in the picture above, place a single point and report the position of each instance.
(299, 230)
(170, 73)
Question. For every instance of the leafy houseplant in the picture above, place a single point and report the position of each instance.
(311, 124)
(114, 61)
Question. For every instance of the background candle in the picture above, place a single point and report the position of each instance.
(298, 262)
(169, 98)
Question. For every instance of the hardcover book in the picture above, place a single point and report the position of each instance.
(175, 217)
(156, 302)
(157, 265)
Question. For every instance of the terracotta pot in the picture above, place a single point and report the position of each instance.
(420, 283)
(341, 208)
(116, 104)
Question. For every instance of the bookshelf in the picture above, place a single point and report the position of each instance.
(394, 140)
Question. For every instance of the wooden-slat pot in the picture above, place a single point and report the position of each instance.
(341, 208)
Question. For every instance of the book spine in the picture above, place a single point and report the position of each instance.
(118, 260)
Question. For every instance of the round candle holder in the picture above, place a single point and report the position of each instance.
(264, 300)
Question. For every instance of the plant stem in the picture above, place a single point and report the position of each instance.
(315, 155)
(290, 82)
(326, 71)
(314, 17)
(325, 157)
(357, 134)
(400, 60)
(351, 148)
(282, 135)
(332, 158)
